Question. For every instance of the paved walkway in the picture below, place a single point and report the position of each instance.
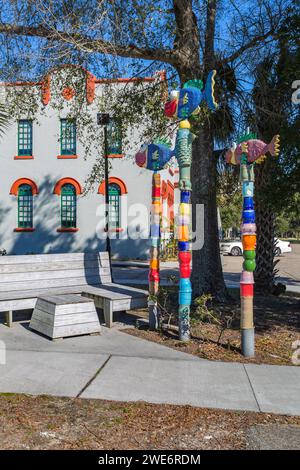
(117, 366)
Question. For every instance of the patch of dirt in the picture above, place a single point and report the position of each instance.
(277, 326)
(43, 422)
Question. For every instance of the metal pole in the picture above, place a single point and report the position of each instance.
(106, 176)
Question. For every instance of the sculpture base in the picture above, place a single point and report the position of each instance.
(248, 342)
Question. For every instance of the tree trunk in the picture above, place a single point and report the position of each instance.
(207, 274)
(265, 271)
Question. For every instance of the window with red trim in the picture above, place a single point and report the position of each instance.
(24, 137)
(68, 189)
(25, 207)
(116, 189)
(24, 189)
(68, 206)
(67, 137)
(114, 207)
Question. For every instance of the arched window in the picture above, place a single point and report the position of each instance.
(114, 216)
(24, 189)
(25, 206)
(68, 206)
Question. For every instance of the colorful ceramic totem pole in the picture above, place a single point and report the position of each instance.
(183, 104)
(154, 157)
(248, 152)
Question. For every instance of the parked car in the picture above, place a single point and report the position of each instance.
(235, 247)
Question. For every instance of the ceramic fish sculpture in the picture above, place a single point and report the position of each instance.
(255, 150)
(154, 156)
(187, 100)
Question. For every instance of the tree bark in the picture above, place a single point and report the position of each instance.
(265, 272)
(207, 274)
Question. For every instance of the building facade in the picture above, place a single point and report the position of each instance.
(43, 174)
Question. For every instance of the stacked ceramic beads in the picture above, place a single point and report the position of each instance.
(248, 230)
(184, 258)
(155, 245)
(184, 157)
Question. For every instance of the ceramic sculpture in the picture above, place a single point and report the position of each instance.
(183, 104)
(247, 153)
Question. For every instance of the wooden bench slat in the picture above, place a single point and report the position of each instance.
(34, 293)
(46, 283)
(24, 259)
(47, 275)
(63, 299)
(120, 287)
(55, 266)
(113, 293)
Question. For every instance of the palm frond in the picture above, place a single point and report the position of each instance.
(4, 119)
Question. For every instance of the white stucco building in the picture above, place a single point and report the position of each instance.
(43, 171)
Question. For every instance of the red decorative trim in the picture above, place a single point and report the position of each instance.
(16, 184)
(125, 80)
(115, 230)
(176, 185)
(20, 83)
(90, 87)
(46, 93)
(97, 80)
(23, 157)
(66, 157)
(171, 171)
(60, 183)
(68, 93)
(111, 180)
(46, 80)
(162, 75)
(115, 155)
(71, 230)
(21, 229)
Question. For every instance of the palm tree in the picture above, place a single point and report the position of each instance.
(275, 179)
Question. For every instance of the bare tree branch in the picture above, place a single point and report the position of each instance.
(249, 45)
(88, 44)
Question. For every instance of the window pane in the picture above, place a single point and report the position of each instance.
(68, 137)
(68, 206)
(114, 206)
(25, 206)
(114, 137)
(24, 137)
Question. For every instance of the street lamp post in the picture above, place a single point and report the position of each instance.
(103, 119)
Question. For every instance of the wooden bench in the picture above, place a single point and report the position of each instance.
(25, 278)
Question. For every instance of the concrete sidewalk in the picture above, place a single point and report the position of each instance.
(117, 366)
